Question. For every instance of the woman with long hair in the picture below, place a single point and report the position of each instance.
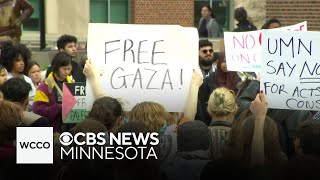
(220, 78)
(33, 71)
(208, 26)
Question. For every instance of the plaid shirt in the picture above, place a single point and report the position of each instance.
(317, 116)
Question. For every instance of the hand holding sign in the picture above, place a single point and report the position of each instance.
(258, 76)
(90, 70)
(197, 78)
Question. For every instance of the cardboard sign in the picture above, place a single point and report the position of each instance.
(145, 62)
(290, 74)
(74, 103)
(243, 49)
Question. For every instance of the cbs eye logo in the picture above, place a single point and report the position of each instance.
(66, 138)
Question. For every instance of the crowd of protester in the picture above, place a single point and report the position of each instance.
(226, 129)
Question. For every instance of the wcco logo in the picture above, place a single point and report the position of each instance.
(34, 145)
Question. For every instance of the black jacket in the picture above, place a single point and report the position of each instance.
(209, 84)
(244, 26)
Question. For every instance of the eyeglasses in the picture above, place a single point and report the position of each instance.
(205, 51)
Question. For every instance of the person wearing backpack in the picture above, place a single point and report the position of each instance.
(240, 14)
(48, 98)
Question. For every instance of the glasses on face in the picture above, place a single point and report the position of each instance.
(205, 51)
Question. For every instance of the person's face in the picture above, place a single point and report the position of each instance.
(205, 12)
(3, 76)
(18, 65)
(224, 67)
(274, 25)
(70, 49)
(35, 74)
(64, 71)
(206, 53)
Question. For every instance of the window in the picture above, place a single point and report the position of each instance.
(32, 23)
(222, 9)
(117, 13)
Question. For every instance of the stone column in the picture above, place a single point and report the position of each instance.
(67, 17)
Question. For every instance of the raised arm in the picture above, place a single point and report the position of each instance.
(92, 74)
(192, 102)
(27, 9)
(259, 109)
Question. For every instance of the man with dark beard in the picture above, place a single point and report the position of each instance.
(206, 57)
(217, 76)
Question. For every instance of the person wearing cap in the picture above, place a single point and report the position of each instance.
(193, 143)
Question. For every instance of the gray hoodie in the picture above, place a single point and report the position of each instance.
(213, 27)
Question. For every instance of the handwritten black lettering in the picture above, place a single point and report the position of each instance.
(274, 69)
(167, 75)
(275, 49)
(137, 76)
(274, 88)
(139, 52)
(126, 49)
(156, 52)
(308, 50)
(293, 103)
(124, 79)
(299, 93)
(106, 51)
(281, 67)
(291, 67)
(305, 65)
(290, 42)
(318, 103)
(150, 80)
(288, 102)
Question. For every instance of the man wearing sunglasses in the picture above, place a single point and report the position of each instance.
(206, 57)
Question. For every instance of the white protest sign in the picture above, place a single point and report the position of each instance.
(145, 62)
(290, 74)
(296, 27)
(243, 49)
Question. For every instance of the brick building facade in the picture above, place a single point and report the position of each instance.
(294, 11)
(182, 11)
(163, 12)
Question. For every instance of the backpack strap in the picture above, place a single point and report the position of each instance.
(50, 81)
